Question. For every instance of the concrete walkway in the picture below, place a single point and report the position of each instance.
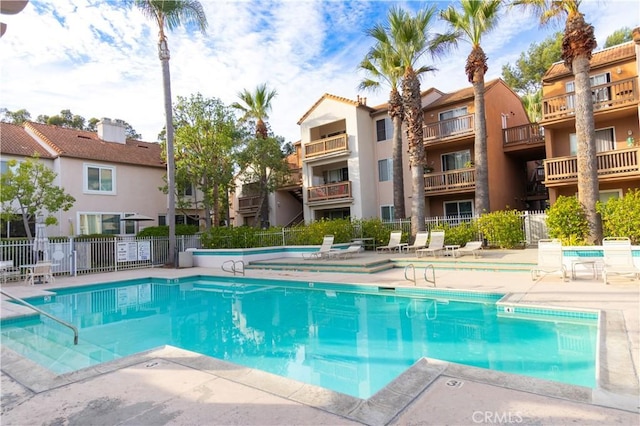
(172, 386)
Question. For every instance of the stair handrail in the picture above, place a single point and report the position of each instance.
(406, 268)
(232, 263)
(46, 314)
(431, 280)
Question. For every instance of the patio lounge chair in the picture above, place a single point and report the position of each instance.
(618, 258)
(42, 271)
(323, 252)
(436, 245)
(394, 242)
(345, 253)
(472, 247)
(549, 259)
(8, 271)
(420, 242)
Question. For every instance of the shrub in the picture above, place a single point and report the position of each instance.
(163, 231)
(567, 220)
(502, 228)
(621, 216)
(460, 234)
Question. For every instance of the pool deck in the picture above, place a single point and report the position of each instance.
(172, 386)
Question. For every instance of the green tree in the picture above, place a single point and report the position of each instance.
(205, 138)
(471, 22)
(619, 36)
(382, 66)
(169, 15)
(578, 43)
(256, 106)
(27, 189)
(525, 77)
(410, 38)
(15, 117)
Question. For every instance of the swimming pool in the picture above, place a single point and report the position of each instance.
(350, 339)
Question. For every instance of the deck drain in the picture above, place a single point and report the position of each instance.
(151, 364)
(454, 383)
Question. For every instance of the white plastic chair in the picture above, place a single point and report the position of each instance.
(549, 259)
(420, 241)
(472, 247)
(324, 250)
(436, 245)
(618, 258)
(394, 242)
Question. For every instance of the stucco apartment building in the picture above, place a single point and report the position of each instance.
(111, 177)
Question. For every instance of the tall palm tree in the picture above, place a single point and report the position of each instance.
(410, 37)
(169, 15)
(475, 19)
(578, 43)
(383, 66)
(257, 106)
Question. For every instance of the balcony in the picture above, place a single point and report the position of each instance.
(619, 164)
(605, 97)
(330, 145)
(448, 129)
(294, 178)
(527, 134)
(248, 204)
(461, 180)
(331, 192)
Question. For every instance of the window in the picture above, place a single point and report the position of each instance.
(384, 129)
(387, 213)
(459, 209)
(452, 113)
(99, 223)
(99, 179)
(605, 196)
(604, 141)
(599, 94)
(456, 160)
(385, 170)
(336, 175)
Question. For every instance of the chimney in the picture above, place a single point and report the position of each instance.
(112, 130)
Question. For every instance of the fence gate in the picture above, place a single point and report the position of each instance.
(535, 227)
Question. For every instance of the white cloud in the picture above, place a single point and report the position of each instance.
(100, 59)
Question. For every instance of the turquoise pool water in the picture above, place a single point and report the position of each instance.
(351, 339)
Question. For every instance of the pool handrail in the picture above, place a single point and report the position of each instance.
(46, 314)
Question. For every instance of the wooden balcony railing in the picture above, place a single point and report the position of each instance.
(605, 96)
(617, 163)
(453, 127)
(326, 146)
(331, 191)
(294, 178)
(452, 180)
(523, 135)
(249, 203)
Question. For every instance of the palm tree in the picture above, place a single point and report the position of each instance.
(257, 106)
(475, 19)
(383, 67)
(169, 15)
(578, 44)
(410, 38)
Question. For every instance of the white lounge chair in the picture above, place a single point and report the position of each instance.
(345, 253)
(323, 252)
(436, 245)
(549, 259)
(43, 271)
(472, 247)
(8, 270)
(618, 258)
(394, 242)
(420, 242)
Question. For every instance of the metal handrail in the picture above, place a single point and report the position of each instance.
(233, 270)
(413, 268)
(46, 314)
(430, 267)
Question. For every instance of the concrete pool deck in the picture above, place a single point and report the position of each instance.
(172, 386)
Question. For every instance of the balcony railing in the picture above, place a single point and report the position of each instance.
(294, 178)
(453, 180)
(617, 163)
(248, 204)
(605, 96)
(523, 135)
(326, 146)
(331, 191)
(453, 127)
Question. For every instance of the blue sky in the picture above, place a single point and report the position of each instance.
(99, 58)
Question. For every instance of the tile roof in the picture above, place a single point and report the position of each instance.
(87, 145)
(601, 58)
(15, 141)
(460, 95)
(358, 103)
